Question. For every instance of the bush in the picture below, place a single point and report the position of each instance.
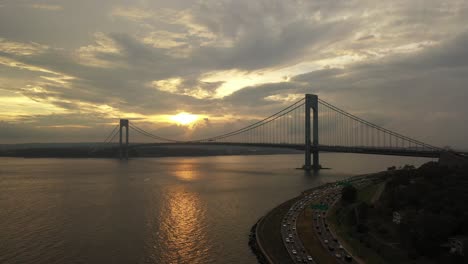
(382, 230)
(349, 194)
(408, 167)
(362, 211)
(362, 228)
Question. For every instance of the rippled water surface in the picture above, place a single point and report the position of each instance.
(154, 210)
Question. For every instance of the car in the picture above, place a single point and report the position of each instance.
(340, 246)
(287, 240)
(284, 225)
(290, 235)
(294, 228)
(309, 258)
(338, 255)
(325, 241)
(294, 251)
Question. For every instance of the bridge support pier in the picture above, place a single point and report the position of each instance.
(123, 148)
(311, 146)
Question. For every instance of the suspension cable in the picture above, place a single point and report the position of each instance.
(376, 126)
(252, 126)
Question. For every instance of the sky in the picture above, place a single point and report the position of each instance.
(70, 69)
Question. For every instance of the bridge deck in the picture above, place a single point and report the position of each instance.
(410, 152)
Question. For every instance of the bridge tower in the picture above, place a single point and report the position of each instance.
(311, 146)
(123, 148)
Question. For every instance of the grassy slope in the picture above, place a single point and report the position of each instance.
(343, 230)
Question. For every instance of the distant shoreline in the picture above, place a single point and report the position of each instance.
(143, 157)
(149, 152)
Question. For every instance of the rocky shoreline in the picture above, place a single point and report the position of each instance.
(254, 245)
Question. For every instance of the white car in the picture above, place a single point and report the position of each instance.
(310, 258)
(326, 241)
(294, 251)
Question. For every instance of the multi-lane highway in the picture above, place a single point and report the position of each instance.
(289, 233)
(321, 199)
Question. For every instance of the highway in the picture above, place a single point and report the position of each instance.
(323, 197)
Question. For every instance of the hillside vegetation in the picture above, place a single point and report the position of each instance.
(433, 204)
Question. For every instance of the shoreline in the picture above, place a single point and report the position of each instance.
(149, 157)
(255, 246)
(259, 251)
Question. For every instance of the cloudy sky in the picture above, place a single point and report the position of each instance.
(70, 69)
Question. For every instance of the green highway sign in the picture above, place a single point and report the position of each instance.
(323, 207)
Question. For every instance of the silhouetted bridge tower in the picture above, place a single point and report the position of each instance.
(311, 102)
(123, 147)
(300, 126)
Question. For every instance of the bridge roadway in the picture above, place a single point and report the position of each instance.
(395, 151)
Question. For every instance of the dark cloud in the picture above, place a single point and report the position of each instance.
(262, 47)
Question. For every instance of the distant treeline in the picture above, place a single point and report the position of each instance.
(88, 152)
(62, 152)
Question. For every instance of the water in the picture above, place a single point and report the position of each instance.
(154, 210)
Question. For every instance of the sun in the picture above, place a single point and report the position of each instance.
(184, 118)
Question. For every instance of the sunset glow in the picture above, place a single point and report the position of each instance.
(184, 118)
(176, 131)
(176, 68)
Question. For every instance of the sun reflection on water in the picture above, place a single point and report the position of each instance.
(181, 225)
(186, 171)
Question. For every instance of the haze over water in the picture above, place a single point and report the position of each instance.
(153, 210)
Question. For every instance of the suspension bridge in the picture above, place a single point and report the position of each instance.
(310, 124)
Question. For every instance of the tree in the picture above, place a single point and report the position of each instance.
(408, 167)
(362, 211)
(349, 194)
